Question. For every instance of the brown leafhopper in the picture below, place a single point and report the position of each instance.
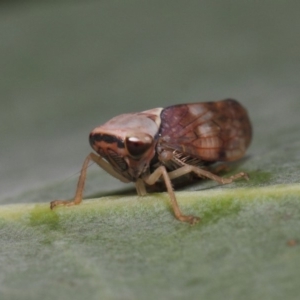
(162, 144)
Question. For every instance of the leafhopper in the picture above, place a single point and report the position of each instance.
(162, 144)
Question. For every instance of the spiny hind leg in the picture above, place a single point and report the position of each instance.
(207, 174)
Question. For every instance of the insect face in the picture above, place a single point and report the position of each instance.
(128, 142)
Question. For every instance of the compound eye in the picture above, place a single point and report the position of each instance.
(138, 145)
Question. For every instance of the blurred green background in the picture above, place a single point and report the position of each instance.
(68, 66)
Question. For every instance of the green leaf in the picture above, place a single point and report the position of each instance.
(131, 248)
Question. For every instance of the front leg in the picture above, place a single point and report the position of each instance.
(81, 181)
(140, 187)
(80, 186)
(154, 177)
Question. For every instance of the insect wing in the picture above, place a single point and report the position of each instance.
(211, 131)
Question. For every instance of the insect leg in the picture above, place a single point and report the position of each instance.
(203, 173)
(107, 167)
(140, 187)
(81, 181)
(162, 172)
(80, 187)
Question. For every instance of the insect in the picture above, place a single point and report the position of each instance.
(162, 144)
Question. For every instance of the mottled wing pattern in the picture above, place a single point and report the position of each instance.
(211, 131)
